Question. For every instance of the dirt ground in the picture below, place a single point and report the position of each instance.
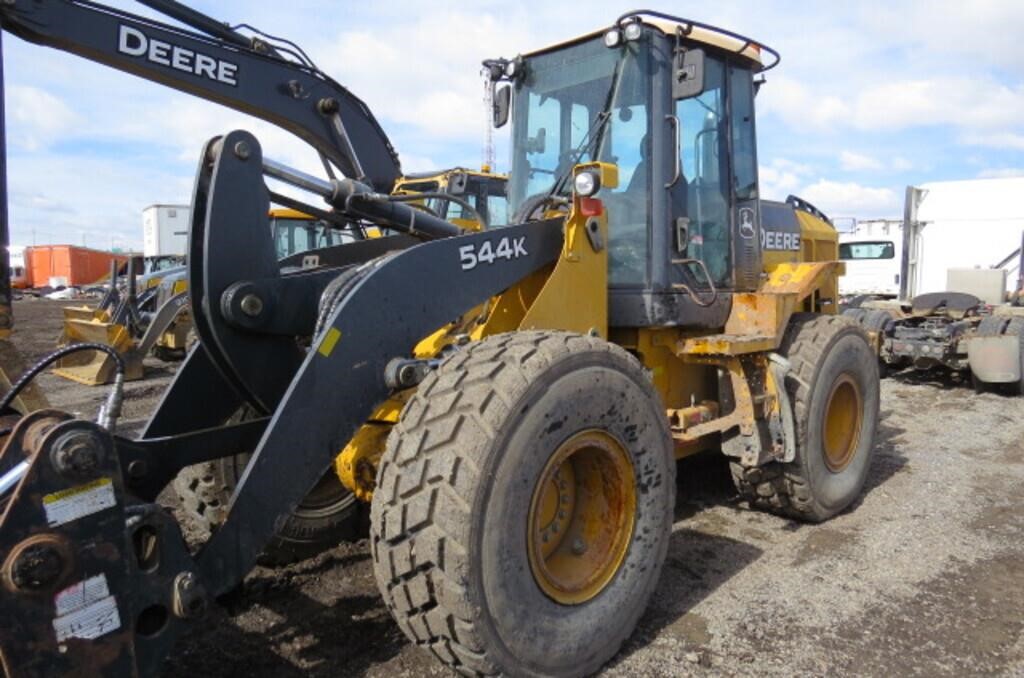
(924, 576)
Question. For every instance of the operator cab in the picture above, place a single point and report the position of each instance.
(484, 192)
(295, 232)
(670, 102)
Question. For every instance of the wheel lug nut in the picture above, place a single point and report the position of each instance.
(579, 547)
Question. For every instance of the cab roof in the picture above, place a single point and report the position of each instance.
(696, 31)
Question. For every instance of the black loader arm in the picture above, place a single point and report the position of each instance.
(220, 65)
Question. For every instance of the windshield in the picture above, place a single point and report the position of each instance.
(560, 119)
(867, 250)
(299, 235)
(556, 102)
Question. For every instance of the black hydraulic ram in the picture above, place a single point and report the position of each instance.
(358, 200)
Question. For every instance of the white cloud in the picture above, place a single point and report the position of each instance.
(901, 164)
(1001, 173)
(800, 106)
(855, 162)
(987, 30)
(424, 72)
(782, 177)
(1003, 140)
(968, 102)
(851, 199)
(39, 117)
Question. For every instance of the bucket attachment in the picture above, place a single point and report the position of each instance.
(93, 368)
(167, 332)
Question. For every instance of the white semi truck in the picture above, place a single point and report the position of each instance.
(957, 305)
(955, 236)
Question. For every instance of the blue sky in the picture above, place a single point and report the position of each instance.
(870, 97)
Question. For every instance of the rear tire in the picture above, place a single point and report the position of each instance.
(327, 516)
(834, 388)
(454, 531)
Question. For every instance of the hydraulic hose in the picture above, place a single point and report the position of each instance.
(109, 411)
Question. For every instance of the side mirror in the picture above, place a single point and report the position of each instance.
(688, 75)
(502, 105)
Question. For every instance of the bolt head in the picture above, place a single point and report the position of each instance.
(36, 568)
(77, 454)
(579, 547)
(242, 151)
(251, 305)
(137, 469)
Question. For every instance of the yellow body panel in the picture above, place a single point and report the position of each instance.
(687, 366)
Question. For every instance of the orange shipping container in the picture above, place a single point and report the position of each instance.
(67, 265)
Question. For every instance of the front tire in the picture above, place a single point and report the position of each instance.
(524, 505)
(834, 388)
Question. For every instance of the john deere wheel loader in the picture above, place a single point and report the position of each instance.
(510, 401)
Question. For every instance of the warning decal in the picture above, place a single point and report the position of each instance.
(75, 502)
(86, 610)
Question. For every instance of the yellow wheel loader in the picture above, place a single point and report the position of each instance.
(510, 401)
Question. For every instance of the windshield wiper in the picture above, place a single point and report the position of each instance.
(595, 133)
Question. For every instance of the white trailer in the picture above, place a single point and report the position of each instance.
(953, 226)
(165, 230)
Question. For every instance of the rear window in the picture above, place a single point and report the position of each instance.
(882, 249)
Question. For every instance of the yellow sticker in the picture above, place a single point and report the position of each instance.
(330, 340)
(76, 502)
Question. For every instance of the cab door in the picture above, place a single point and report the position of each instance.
(714, 199)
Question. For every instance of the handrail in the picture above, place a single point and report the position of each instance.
(690, 24)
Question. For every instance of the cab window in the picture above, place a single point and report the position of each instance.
(867, 250)
(741, 128)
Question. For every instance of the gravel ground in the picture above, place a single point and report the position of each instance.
(923, 576)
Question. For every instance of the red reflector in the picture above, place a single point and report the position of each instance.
(591, 207)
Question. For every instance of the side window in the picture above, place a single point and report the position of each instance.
(283, 239)
(543, 142)
(741, 127)
(704, 150)
(497, 210)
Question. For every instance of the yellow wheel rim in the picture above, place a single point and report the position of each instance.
(841, 428)
(581, 517)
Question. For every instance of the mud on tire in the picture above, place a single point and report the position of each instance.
(831, 362)
(449, 525)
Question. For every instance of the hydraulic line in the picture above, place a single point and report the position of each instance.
(109, 412)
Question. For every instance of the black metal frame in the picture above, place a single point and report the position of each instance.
(316, 400)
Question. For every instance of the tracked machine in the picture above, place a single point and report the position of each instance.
(510, 401)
